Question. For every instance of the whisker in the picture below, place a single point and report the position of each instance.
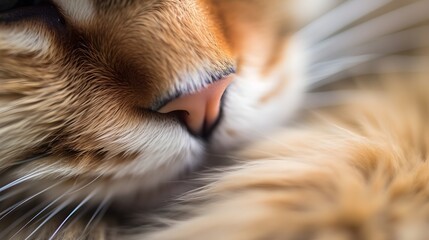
(11, 194)
(96, 212)
(348, 12)
(21, 180)
(97, 216)
(18, 221)
(51, 215)
(89, 183)
(83, 202)
(39, 213)
(78, 217)
(388, 23)
(322, 71)
(55, 211)
(100, 215)
(402, 41)
(69, 192)
(7, 211)
(391, 64)
(393, 43)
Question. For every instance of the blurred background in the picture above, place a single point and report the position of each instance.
(365, 40)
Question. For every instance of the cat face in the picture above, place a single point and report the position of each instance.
(84, 84)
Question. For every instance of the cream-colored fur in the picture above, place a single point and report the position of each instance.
(359, 172)
(80, 133)
(80, 91)
(81, 83)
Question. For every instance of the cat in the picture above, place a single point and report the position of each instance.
(108, 102)
(98, 105)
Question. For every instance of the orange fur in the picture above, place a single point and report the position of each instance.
(81, 84)
(80, 128)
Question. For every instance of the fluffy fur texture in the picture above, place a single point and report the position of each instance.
(81, 83)
(360, 172)
(80, 135)
(81, 86)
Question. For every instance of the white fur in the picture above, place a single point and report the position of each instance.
(24, 39)
(79, 11)
(249, 118)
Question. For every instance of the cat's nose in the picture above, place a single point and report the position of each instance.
(201, 109)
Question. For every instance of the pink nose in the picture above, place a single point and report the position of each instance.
(202, 108)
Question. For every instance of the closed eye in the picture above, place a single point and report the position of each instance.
(18, 10)
(8, 5)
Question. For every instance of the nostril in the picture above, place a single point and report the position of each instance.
(181, 115)
(199, 110)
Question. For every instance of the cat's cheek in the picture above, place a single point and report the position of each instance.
(135, 183)
(164, 152)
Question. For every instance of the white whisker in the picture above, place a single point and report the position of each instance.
(389, 65)
(48, 206)
(96, 212)
(7, 211)
(72, 213)
(348, 12)
(391, 44)
(97, 215)
(12, 194)
(388, 23)
(322, 71)
(394, 43)
(89, 183)
(39, 213)
(77, 218)
(101, 215)
(21, 180)
(18, 221)
(51, 215)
